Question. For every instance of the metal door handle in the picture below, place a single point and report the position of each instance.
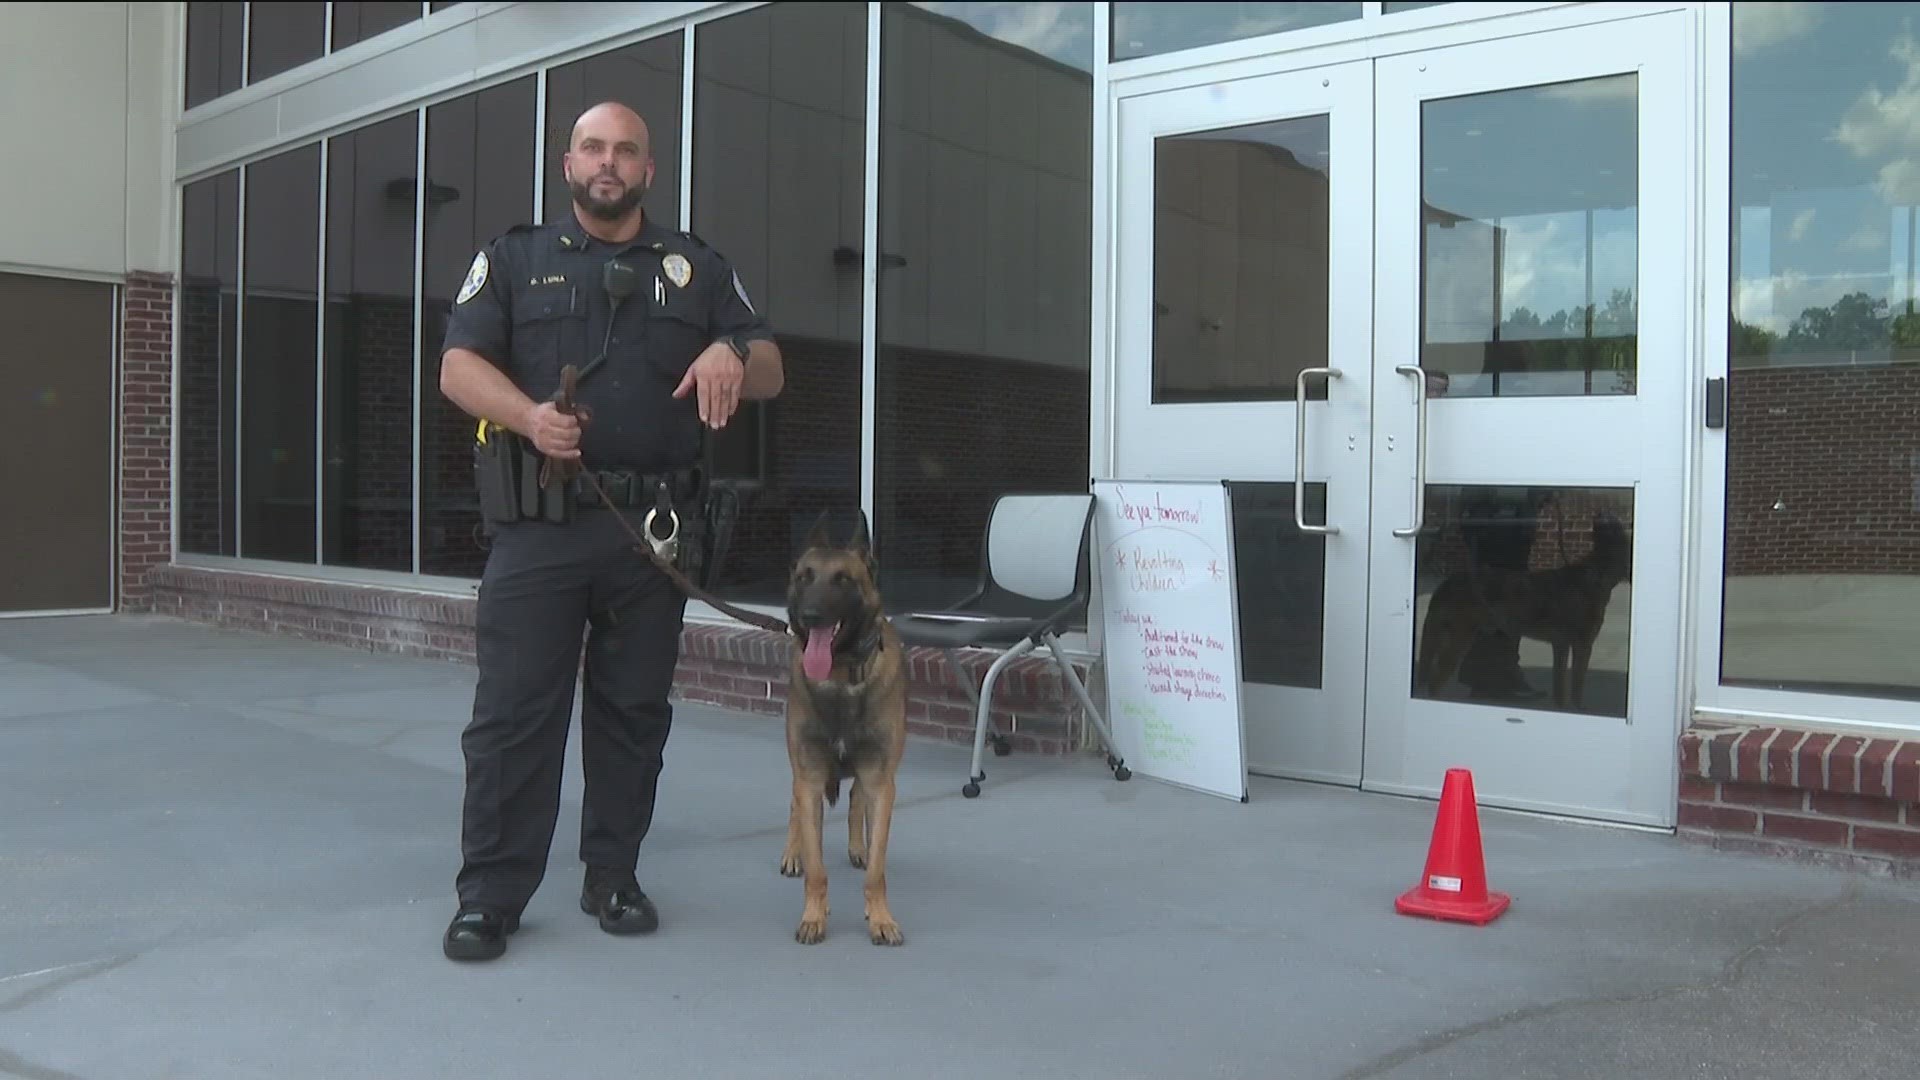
(1300, 451)
(1419, 449)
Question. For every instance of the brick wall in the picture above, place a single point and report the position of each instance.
(1839, 448)
(1840, 800)
(146, 432)
(208, 322)
(734, 667)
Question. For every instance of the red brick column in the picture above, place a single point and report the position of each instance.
(146, 434)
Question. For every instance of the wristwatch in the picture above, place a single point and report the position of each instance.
(739, 346)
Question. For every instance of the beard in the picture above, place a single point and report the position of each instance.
(606, 209)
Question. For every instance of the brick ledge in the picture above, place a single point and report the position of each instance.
(739, 668)
(1825, 797)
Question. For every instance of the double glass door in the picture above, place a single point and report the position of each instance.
(1425, 313)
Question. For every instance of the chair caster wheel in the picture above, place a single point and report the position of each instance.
(1123, 774)
(971, 790)
(1001, 747)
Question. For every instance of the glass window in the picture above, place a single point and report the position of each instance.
(647, 77)
(279, 327)
(209, 319)
(1242, 230)
(354, 23)
(1822, 579)
(479, 183)
(282, 36)
(216, 34)
(1531, 273)
(986, 143)
(367, 476)
(1148, 29)
(778, 165)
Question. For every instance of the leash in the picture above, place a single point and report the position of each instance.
(658, 550)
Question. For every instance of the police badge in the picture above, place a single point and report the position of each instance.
(679, 270)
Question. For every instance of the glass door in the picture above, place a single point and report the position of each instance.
(1530, 419)
(1244, 331)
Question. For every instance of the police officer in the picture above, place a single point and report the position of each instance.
(679, 350)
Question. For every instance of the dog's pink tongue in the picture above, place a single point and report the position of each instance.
(818, 659)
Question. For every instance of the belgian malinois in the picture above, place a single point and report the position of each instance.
(1564, 607)
(846, 717)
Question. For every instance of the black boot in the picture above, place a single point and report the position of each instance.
(619, 904)
(476, 934)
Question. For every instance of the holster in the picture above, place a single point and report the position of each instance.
(497, 462)
(506, 476)
(720, 509)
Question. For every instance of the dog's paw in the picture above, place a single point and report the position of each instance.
(857, 857)
(790, 865)
(884, 931)
(811, 931)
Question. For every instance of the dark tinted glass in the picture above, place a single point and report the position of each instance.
(208, 321)
(279, 328)
(216, 41)
(779, 122)
(1242, 235)
(1500, 573)
(367, 474)
(354, 23)
(986, 146)
(282, 36)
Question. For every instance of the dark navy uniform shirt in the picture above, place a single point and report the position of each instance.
(534, 300)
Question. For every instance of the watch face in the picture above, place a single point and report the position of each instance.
(740, 348)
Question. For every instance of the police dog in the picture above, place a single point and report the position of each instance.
(1564, 607)
(846, 717)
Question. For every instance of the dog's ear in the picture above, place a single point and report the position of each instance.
(862, 542)
(819, 535)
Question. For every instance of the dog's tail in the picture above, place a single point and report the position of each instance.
(833, 786)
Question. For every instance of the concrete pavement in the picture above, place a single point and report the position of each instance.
(223, 855)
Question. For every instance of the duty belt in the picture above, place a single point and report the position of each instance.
(629, 490)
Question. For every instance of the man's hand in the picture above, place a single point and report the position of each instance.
(718, 374)
(553, 432)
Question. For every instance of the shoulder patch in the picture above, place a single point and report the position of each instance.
(476, 278)
(740, 291)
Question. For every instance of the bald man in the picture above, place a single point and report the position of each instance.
(668, 344)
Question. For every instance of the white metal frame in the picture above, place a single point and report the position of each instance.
(1323, 49)
(1789, 708)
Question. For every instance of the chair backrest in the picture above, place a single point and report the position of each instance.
(1036, 546)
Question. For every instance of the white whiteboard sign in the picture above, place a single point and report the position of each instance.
(1164, 556)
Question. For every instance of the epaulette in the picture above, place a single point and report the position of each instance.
(690, 235)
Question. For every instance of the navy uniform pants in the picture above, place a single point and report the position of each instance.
(547, 592)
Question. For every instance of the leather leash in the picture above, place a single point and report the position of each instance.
(563, 400)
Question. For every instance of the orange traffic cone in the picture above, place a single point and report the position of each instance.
(1455, 884)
